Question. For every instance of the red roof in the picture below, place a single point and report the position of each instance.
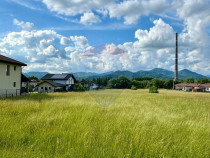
(206, 85)
(193, 85)
(181, 85)
(9, 60)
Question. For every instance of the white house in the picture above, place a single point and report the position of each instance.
(57, 82)
(48, 86)
(206, 87)
(194, 87)
(10, 76)
(181, 86)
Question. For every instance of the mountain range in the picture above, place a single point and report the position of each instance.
(154, 73)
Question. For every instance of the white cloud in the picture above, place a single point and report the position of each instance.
(24, 25)
(32, 46)
(113, 50)
(64, 41)
(79, 41)
(130, 10)
(89, 18)
(159, 36)
(75, 7)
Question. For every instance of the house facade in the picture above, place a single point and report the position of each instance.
(48, 86)
(181, 86)
(193, 87)
(10, 76)
(206, 87)
(56, 82)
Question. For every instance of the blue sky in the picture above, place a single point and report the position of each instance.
(100, 36)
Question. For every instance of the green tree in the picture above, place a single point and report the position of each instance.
(157, 83)
(33, 77)
(123, 82)
(168, 84)
(204, 80)
(189, 80)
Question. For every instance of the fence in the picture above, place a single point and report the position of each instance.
(11, 92)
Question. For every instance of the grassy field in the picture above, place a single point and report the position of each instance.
(107, 123)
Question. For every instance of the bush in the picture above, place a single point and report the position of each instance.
(79, 88)
(133, 87)
(153, 89)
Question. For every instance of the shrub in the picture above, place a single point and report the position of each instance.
(79, 88)
(153, 89)
(133, 87)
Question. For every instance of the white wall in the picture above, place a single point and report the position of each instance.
(70, 81)
(187, 89)
(7, 82)
(207, 89)
(42, 86)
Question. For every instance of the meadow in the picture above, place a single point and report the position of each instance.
(106, 123)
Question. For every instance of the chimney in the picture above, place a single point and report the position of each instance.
(176, 59)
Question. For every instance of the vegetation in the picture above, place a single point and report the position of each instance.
(79, 87)
(33, 77)
(140, 82)
(106, 123)
(133, 87)
(153, 89)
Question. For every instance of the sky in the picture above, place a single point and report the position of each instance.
(61, 36)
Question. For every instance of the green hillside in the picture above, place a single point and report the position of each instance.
(154, 73)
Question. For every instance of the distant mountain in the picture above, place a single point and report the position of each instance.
(154, 73)
(163, 71)
(208, 75)
(116, 74)
(36, 74)
(184, 74)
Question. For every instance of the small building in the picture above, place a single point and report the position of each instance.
(93, 86)
(90, 84)
(181, 86)
(56, 82)
(48, 86)
(206, 87)
(193, 87)
(10, 76)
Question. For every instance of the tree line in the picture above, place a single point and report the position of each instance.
(138, 83)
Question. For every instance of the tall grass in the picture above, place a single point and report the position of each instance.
(108, 123)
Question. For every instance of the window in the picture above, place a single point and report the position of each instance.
(14, 84)
(8, 70)
(15, 68)
(41, 87)
(49, 88)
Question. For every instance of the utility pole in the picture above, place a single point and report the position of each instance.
(176, 61)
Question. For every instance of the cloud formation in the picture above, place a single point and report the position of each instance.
(130, 10)
(47, 50)
(24, 25)
(89, 18)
